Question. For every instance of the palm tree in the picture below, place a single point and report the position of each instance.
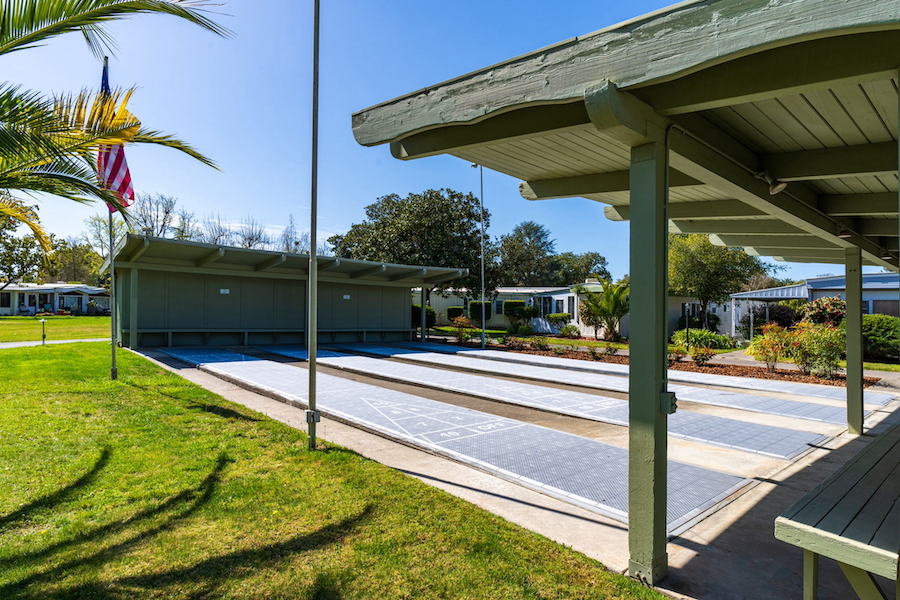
(49, 145)
(605, 309)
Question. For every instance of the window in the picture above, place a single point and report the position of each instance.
(559, 307)
(498, 307)
(546, 305)
(5, 299)
(712, 310)
(571, 311)
(886, 307)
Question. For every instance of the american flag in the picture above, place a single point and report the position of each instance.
(112, 168)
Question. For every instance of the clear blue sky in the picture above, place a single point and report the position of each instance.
(245, 102)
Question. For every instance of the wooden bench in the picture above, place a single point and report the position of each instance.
(853, 518)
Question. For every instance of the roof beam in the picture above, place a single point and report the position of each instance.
(408, 274)
(800, 252)
(830, 163)
(886, 227)
(820, 259)
(139, 251)
(446, 277)
(784, 71)
(583, 185)
(771, 241)
(377, 269)
(507, 126)
(212, 257)
(333, 263)
(733, 226)
(711, 209)
(853, 205)
(270, 263)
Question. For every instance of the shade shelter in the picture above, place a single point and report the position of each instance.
(772, 125)
(185, 293)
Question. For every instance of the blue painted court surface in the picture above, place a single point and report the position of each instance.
(741, 400)
(576, 469)
(779, 442)
(811, 390)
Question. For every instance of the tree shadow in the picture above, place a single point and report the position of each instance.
(221, 411)
(197, 496)
(59, 495)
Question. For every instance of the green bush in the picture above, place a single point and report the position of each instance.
(430, 316)
(701, 355)
(825, 311)
(558, 319)
(702, 338)
(455, 311)
(524, 330)
(881, 337)
(475, 311)
(539, 343)
(569, 331)
(697, 322)
(817, 349)
(771, 346)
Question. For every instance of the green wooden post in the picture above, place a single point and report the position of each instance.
(853, 267)
(120, 286)
(133, 309)
(647, 378)
(810, 575)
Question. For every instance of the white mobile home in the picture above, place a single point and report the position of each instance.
(32, 298)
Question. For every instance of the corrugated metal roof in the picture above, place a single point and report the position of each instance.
(49, 288)
(801, 291)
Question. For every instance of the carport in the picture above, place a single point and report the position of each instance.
(184, 293)
(772, 125)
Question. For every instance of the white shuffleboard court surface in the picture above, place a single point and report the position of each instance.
(813, 390)
(575, 469)
(779, 442)
(744, 401)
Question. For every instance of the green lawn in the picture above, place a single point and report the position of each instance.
(24, 329)
(151, 487)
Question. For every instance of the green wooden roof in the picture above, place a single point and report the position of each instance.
(801, 92)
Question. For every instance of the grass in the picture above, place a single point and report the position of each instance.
(151, 487)
(473, 331)
(25, 329)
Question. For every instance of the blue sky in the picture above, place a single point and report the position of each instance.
(245, 102)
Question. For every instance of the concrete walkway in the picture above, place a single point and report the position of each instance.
(8, 345)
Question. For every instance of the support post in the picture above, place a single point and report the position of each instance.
(810, 575)
(133, 309)
(647, 378)
(113, 306)
(733, 318)
(312, 285)
(853, 266)
(422, 316)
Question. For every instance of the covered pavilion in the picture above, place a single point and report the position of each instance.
(771, 125)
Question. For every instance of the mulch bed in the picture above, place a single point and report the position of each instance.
(714, 369)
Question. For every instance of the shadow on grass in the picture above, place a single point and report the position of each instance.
(196, 498)
(225, 413)
(59, 495)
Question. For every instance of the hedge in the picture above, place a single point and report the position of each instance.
(430, 316)
(703, 338)
(475, 311)
(455, 311)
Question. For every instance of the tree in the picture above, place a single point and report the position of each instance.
(251, 234)
(186, 226)
(291, 240)
(525, 255)
(154, 214)
(71, 261)
(709, 273)
(605, 309)
(216, 231)
(97, 233)
(49, 144)
(762, 281)
(436, 227)
(568, 268)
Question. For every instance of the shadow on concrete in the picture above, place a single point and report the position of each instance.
(745, 561)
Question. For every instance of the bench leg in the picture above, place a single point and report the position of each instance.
(862, 583)
(810, 575)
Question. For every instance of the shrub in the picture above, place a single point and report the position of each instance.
(475, 311)
(518, 312)
(881, 337)
(558, 320)
(817, 349)
(91, 308)
(783, 315)
(610, 349)
(697, 322)
(524, 330)
(559, 350)
(514, 343)
(570, 331)
(463, 325)
(825, 311)
(453, 312)
(539, 343)
(430, 316)
(677, 354)
(770, 346)
(592, 352)
(701, 356)
(702, 338)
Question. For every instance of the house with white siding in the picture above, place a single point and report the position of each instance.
(32, 298)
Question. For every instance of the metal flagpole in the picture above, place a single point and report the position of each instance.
(312, 415)
(114, 322)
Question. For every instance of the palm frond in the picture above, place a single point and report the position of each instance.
(15, 210)
(145, 136)
(26, 23)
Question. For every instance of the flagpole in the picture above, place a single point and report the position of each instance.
(113, 370)
(312, 329)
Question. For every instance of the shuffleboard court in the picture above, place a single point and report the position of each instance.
(600, 381)
(812, 390)
(576, 469)
(779, 442)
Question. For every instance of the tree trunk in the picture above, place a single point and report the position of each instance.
(703, 320)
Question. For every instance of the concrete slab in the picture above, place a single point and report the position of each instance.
(743, 401)
(582, 471)
(812, 390)
(729, 433)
